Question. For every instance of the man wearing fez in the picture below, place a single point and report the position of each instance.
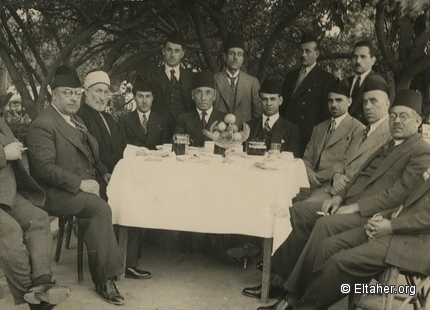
(172, 84)
(332, 138)
(204, 114)
(363, 58)
(25, 234)
(385, 181)
(305, 91)
(237, 92)
(271, 127)
(344, 230)
(143, 126)
(65, 161)
(112, 141)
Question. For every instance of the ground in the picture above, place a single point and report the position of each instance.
(198, 281)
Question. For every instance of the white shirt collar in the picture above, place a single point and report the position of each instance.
(339, 119)
(208, 113)
(308, 69)
(272, 119)
(398, 142)
(229, 74)
(363, 76)
(141, 115)
(376, 124)
(167, 69)
(66, 117)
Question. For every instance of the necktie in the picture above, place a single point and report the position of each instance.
(356, 87)
(204, 123)
(79, 126)
(173, 78)
(232, 80)
(366, 131)
(300, 79)
(145, 123)
(267, 126)
(332, 127)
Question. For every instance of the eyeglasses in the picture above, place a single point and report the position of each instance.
(69, 93)
(403, 116)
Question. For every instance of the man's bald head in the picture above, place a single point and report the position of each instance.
(376, 105)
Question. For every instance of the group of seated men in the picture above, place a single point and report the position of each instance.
(355, 171)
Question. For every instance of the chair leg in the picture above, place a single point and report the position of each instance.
(80, 255)
(61, 224)
(390, 278)
(70, 225)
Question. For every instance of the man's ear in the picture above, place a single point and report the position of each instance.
(281, 99)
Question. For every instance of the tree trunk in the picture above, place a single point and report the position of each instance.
(403, 82)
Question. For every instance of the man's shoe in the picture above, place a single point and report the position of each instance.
(134, 273)
(41, 306)
(49, 293)
(109, 292)
(255, 292)
(281, 304)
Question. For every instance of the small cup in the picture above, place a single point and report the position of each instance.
(275, 148)
(209, 146)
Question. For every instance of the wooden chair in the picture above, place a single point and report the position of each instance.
(390, 277)
(71, 225)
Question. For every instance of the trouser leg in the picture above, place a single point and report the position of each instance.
(14, 257)
(34, 223)
(356, 265)
(324, 228)
(303, 218)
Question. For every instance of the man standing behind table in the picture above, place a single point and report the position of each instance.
(143, 126)
(363, 58)
(204, 114)
(25, 234)
(305, 91)
(65, 161)
(271, 127)
(112, 141)
(332, 138)
(237, 92)
(172, 83)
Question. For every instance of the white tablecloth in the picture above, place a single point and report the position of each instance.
(205, 197)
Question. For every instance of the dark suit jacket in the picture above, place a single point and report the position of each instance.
(111, 146)
(329, 154)
(158, 131)
(356, 107)
(283, 132)
(395, 179)
(159, 79)
(247, 104)
(410, 243)
(59, 158)
(307, 106)
(13, 176)
(190, 123)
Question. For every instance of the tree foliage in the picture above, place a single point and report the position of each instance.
(125, 37)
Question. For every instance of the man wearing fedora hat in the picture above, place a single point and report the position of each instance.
(271, 127)
(305, 91)
(65, 160)
(237, 91)
(172, 84)
(143, 126)
(385, 181)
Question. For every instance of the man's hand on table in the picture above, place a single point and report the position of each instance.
(314, 179)
(331, 205)
(90, 187)
(377, 227)
(107, 177)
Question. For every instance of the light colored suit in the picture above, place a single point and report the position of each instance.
(359, 152)
(246, 104)
(328, 154)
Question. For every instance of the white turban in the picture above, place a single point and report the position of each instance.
(96, 77)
